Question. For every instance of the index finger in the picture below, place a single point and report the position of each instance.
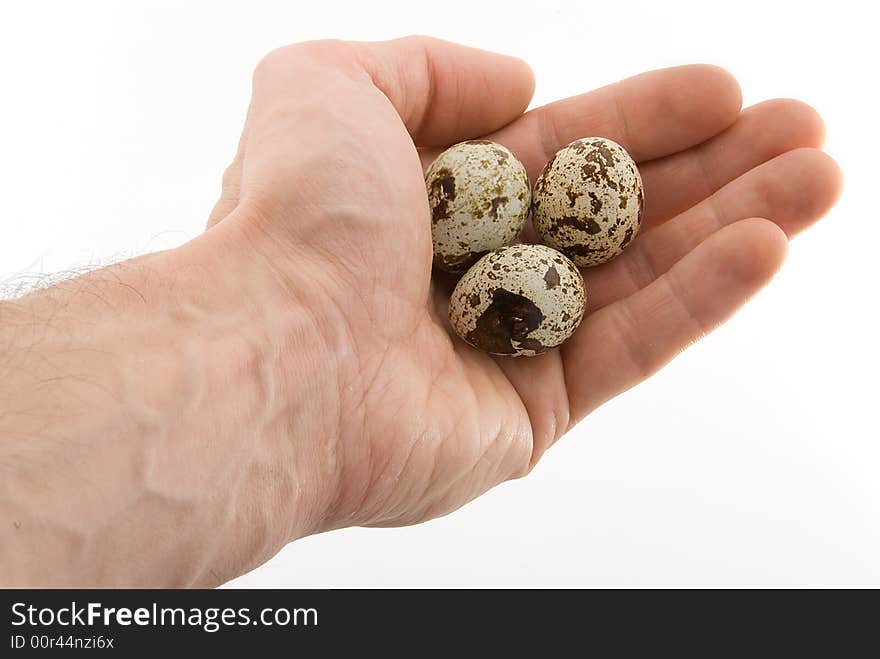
(651, 115)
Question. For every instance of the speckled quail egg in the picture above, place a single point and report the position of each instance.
(479, 196)
(520, 300)
(588, 201)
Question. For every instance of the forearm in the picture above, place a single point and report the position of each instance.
(144, 428)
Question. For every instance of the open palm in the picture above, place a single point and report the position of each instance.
(327, 188)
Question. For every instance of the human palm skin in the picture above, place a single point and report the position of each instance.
(180, 417)
(327, 190)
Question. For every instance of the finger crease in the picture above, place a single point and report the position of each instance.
(621, 116)
(547, 133)
(632, 340)
(718, 216)
(697, 328)
(432, 89)
(639, 266)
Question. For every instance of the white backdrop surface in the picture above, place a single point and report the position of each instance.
(753, 460)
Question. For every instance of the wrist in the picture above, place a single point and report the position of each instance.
(270, 398)
(168, 396)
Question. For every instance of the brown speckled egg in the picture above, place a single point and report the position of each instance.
(519, 301)
(588, 201)
(479, 196)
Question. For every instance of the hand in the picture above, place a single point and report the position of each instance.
(328, 187)
(178, 418)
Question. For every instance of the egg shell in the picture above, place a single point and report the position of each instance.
(520, 301)
(479, 197)
(588, 201)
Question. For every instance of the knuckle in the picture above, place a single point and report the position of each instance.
(272, 62)
(280, 61)
(230, 177)
(418, 41)
(328, 50)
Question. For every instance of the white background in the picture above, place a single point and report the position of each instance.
(752, 461)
